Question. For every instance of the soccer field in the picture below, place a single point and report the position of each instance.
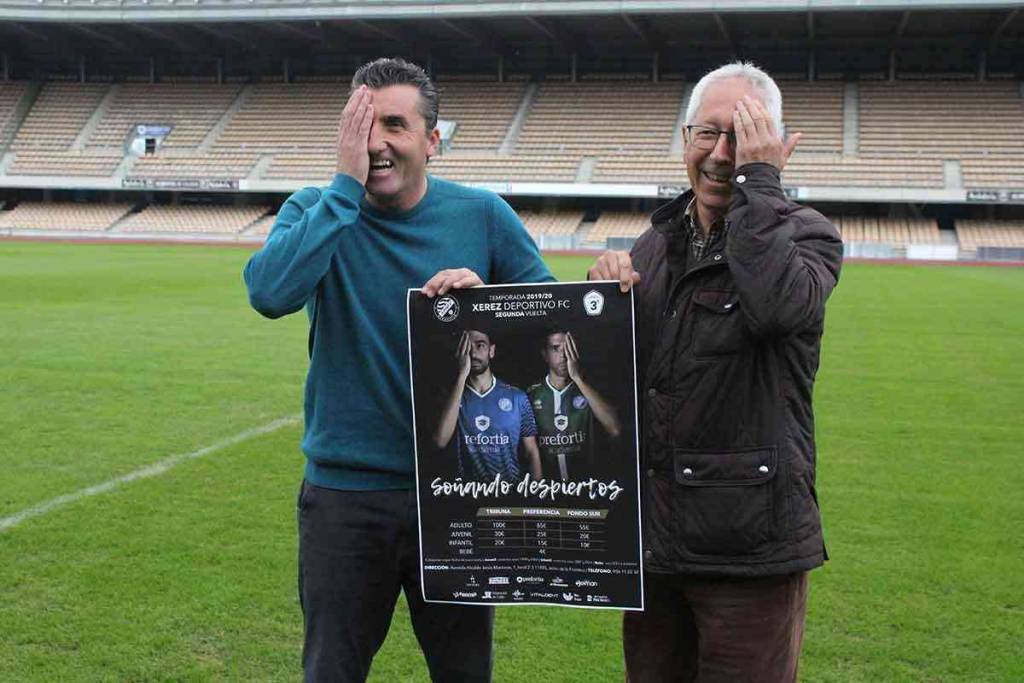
(118, 357)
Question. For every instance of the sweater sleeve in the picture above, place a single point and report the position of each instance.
(283, 274)
(514, 255)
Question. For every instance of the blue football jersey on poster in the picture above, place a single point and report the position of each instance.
(491, 425)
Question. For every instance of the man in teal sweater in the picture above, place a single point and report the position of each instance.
(348, 253)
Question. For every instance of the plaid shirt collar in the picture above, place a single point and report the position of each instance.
(700, 243)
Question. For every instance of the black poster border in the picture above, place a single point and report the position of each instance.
(577, 602)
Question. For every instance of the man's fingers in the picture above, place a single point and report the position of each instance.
(746, 120)
(366, 123)
(571, 343)
(614, 265)
(758, 116)
(739, 129)
(466, 281)
(350, 105)
(430, 287)
(791, 144)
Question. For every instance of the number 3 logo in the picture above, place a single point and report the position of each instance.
(593, 302)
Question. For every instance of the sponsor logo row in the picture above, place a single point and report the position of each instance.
(566, 596)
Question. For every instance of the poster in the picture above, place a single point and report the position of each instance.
(524, 403)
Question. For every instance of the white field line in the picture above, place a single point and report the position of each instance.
(153, 470)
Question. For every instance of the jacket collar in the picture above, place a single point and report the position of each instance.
(668, 219)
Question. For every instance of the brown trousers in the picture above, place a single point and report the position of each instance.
(705, 630)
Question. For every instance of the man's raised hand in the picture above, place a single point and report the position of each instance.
(614, 265)
(353, 156)
(462, 355)
(572, 357)
(757, 139)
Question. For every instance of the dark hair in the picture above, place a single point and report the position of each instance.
(548, 331)
(380, 73)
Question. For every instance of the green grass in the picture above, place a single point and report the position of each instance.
(114, 357)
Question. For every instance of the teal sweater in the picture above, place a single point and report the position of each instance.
(350, 266)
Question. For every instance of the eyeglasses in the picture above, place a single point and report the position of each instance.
(705, 137)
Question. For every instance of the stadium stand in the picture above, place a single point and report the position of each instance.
(279, 117)
(10, 95)
(170, 165)
(551, 222)
(975, 233)
(63, 216)
(60, 111)
(897, 232)
(827, 170)
(261, 226)
(228, 220)
(54, 163)
(496, 168)
(618, 224)
(963, 119)
(570, 120)
(816, 110)
(191, 109)
(482, 111)
(993, 171)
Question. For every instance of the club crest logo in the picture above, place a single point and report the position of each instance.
(579, 402)
(561, 422)
(505, 405)
(593, 302)
(482, 422)
(446, 309)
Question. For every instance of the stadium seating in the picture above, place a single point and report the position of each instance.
(572, 120)
(833, 170)
(929, 119)
(279, 117)
(974, 233)
(551, 222)
(618, 224)
(10, 95)
(192, 219)
(495, 168)
(483, 111)
(634, 168)
(230, 166)
(57, 163)
(898, 232)
(59, 113)
(191, 109)
(993, 171)
(262, 226)
(77, 217)
(816, 110)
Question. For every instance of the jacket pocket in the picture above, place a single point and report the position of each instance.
(718, 326)
(727, 503)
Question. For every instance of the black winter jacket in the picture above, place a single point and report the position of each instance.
(727, 362)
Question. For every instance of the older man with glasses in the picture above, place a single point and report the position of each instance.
(730, 282)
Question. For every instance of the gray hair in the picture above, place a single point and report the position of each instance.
(388, 71)
(761, 82)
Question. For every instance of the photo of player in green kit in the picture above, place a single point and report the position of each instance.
(565, 407)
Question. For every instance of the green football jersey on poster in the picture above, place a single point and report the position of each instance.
(564, 430)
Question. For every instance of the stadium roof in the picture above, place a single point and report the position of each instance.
(29, 28)
(257, 10)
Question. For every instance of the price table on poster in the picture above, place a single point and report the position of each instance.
(541, 528)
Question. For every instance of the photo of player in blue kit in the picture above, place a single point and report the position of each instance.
(497, 431)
